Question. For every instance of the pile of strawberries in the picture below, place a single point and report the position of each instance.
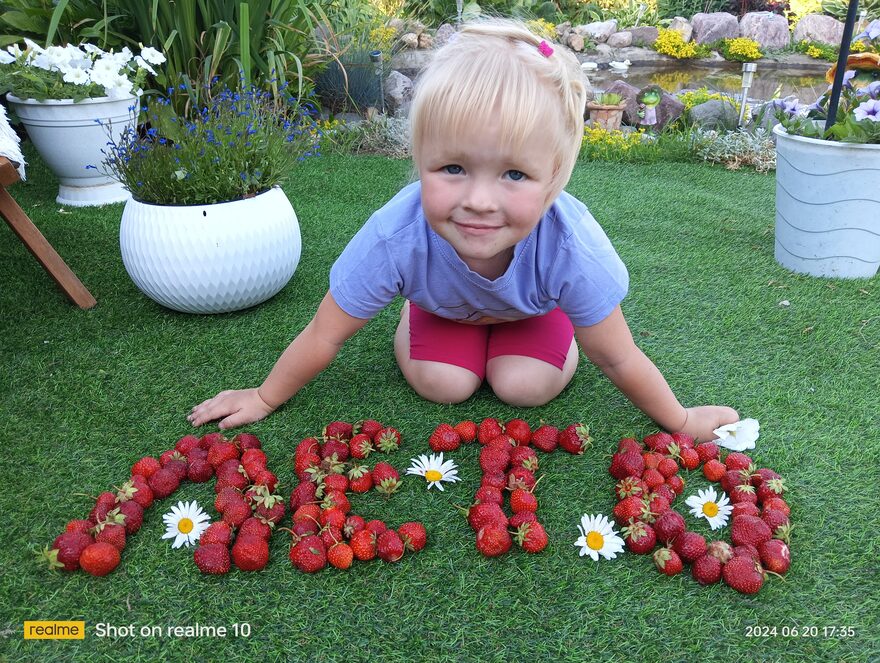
(648, 483)
(96, 542)
(509, 463)
(324, 529)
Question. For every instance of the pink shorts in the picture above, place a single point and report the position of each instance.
(432, 338)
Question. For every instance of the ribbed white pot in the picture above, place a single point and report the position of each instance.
(827, 206)
(68, 138)
(211, 258)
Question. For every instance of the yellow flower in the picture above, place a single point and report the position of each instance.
(670, 42)
(744, 49)
(542, 28)
(814, 52)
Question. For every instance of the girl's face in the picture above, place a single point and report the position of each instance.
(483, 199)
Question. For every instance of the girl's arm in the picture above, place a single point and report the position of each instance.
(610, 346)
(307, 355)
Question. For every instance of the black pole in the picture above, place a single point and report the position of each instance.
(841, 63)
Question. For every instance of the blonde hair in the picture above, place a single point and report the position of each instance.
(493, 71)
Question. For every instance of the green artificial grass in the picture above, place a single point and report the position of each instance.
(86, 393)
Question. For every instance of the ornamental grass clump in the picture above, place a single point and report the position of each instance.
(242, 144)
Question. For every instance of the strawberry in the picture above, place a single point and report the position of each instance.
(250, 552)
(137, 490)
(236, 512)
(749, 530)
(763, 474)
(494, 480)
(388, 440)
(639, 537)
(303, 528)
(714, 469)
(523, 500)
(361, 445)
(743, 493)
(217, 532)
(519, 430)
(690, 546)
(171, 454)
(331, 536)
(745, 509)
(629, 487)
(368, 427)
(337, 430)
(482, 515)
(630, 445)
(413, 535)
(224, 497)
(494, 458)
(306, 447)
(747, 550)
(545, 438)
(134, 515)
(676, 483)
(163, 483)
(337, 449)
(333, 518)
(774, 518)
(734, 478)
(199, 471)
(360, 479)
(520, 477)
(220, 452)
(489, 495)
(444, 438)
(493, 540)
(708, 451)
(667, 561)
(706, 570)
(665, 491)
(385, 478)
(575, 439)
(376, 526)
(778, 504)
(112, 530)
(659, 442)
(245, 441)
(146, 467)
(736, 460)
(363, 545)
(721, 550)
(336, 482)
(667, 467)
(212, 558)
(353, 525)
(628, 509)
(264, 477)
(304, 493)
(626, 464)
(771, 488)
(180, 468)
(531, 537)
(524, 457)
(488, 430)
(336, 499)
(653, 478)
(775, 556)
(207, 440)
(309, 555)
(652, 460)
(743, 574)
(657, 505)
(669, 525)
(271, 509)
(66, 550)
(467, 431)
(103, 504)
(518, 519)
(79, 526)
(683, 440)
(99, 558)
(389, 546)
(340, 555)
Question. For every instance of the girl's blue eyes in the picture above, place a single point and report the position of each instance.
(453, 169)
(515, 175)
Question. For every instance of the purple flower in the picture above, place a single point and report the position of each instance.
(789, 105)
(871, 32)
(873, 89)
(848, 75)
(869, 110)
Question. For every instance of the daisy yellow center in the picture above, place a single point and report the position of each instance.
(433, 475)
(710, 509)
(185, 526)
(595, 540)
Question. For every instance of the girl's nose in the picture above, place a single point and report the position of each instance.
(480, 198)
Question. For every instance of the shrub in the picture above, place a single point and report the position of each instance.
(687, 8)
(817, 49)
(735, 149)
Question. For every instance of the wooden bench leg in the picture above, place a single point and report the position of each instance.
(42, 250)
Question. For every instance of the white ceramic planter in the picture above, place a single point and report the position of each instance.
(68, 139)
(827, 206)
(211, 258)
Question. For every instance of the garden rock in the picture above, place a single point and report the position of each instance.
(818, 27)
(714, 114)
(443, 35)
(410, 40)
(714, 26)
(768, 29)
(598, 31)
(764, 117)
(669, 109)
(398, 25)
(645, 35)
(683, 27)
(620, 39)
(563, 30)
(398, 93)
(575, 42)
(425, 40)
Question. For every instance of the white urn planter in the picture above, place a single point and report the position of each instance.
(211, 258)
(827, 206)
(69, 139)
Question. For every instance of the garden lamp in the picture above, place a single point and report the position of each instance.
(376, 59)
(642, 8)
(748, 74)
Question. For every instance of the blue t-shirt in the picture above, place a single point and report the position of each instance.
(566, 261)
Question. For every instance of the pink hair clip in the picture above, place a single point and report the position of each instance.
(545, 49)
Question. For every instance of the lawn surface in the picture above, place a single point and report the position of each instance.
(85, 394)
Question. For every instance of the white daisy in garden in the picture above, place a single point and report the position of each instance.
(706, 504)
(185, 523)
(435, 471)
(739, 436)
(598, 537)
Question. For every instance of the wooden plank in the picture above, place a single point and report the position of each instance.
(43, 251)
(8, 173)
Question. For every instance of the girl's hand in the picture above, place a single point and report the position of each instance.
(701, 421)
(233, 408)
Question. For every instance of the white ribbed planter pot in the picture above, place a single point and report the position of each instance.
(827, 206)
(211, 258)
(68, 139)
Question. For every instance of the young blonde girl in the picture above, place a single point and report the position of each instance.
(503, 274)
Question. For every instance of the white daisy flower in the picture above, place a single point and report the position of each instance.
(185, 523)
(598, 537)
(739, 436)
(434, 470)
(706, 504)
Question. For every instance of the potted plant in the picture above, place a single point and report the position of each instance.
(606, 110)
(62, 95)
(208, 228)
(828, 182)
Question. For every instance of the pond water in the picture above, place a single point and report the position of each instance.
(807, 84)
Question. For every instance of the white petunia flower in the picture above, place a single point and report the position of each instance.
(76, 76)
(598, 537)
(434, 470)
(706, 504)
(185, 523)
(152, 56)
(143, 64)
(6, 58)
(739, 436)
